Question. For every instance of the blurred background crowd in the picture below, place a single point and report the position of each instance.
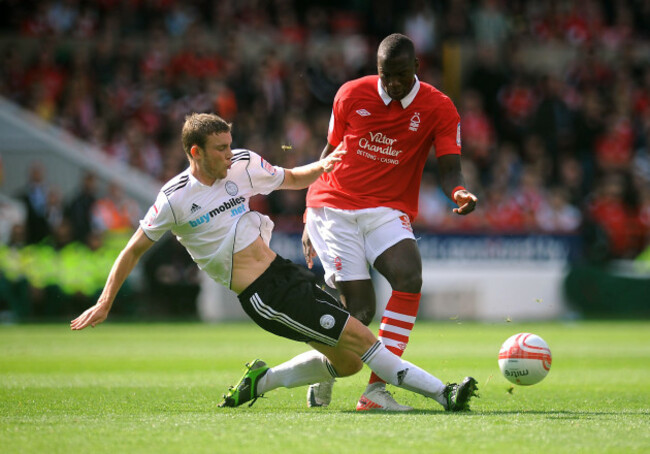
(554, 99)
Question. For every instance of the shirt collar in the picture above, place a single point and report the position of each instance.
(406, 100)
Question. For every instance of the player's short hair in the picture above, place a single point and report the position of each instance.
(395, 45)
(197, 128)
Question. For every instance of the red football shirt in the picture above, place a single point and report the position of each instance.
(387, 143)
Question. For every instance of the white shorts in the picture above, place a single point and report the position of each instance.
(348, 241)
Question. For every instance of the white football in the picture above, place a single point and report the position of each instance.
(525, 359)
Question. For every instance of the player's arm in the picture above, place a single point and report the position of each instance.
(327, 150)
(303, 176)
(307, 249)
(124, 264)
(453, 183)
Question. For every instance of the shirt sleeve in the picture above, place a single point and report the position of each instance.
(337, 123)
(447, 131)
(158, 219)
(265, 177)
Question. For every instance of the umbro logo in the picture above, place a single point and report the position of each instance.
(194, 208)
(363, 112)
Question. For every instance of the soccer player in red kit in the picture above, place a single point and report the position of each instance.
(360, 214)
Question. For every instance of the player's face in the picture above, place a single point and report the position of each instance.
(216, 158)
(397, 75)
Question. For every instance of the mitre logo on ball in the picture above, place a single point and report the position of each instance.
(525, 359)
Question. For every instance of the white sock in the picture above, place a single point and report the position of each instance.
(305, 369)
(396, 371)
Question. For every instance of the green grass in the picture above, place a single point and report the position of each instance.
(154, 388)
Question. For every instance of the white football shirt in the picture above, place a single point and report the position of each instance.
(214, 222)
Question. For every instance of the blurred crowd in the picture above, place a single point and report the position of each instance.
(554, 96)
(55, 253)
(85, 218)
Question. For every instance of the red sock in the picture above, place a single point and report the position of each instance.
(396, 323)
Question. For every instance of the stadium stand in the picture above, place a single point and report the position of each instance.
(554, 99)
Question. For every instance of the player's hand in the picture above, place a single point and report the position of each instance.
(328, 162)
(466, 202)
(92, 316)
(307, 249)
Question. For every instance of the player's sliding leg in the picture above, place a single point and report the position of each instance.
(357, 343)
(304, 369)
(396, 371)
(394, 332)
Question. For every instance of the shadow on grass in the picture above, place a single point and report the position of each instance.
(548, 414)
(565, 414)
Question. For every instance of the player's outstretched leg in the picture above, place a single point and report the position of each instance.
(401, 373)
(356, 344)
(304, 369)
(398, 372)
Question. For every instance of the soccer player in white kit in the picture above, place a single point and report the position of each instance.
(207, 208)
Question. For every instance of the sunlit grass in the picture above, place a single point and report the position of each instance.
(154, 388)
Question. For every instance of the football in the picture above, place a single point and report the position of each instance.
(524, 359)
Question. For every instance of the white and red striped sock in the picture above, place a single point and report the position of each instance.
(396, 324)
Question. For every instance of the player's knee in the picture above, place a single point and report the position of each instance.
(363, 309)
(409, 282)
(365, 315)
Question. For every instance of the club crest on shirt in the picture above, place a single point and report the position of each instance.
(415, 122)
(231, 187)
(267, 166)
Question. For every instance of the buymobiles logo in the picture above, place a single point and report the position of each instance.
(234, 205)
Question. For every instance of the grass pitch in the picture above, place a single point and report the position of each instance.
(154, 388)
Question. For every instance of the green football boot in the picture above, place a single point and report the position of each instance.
(458, 396)
(246, 389)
